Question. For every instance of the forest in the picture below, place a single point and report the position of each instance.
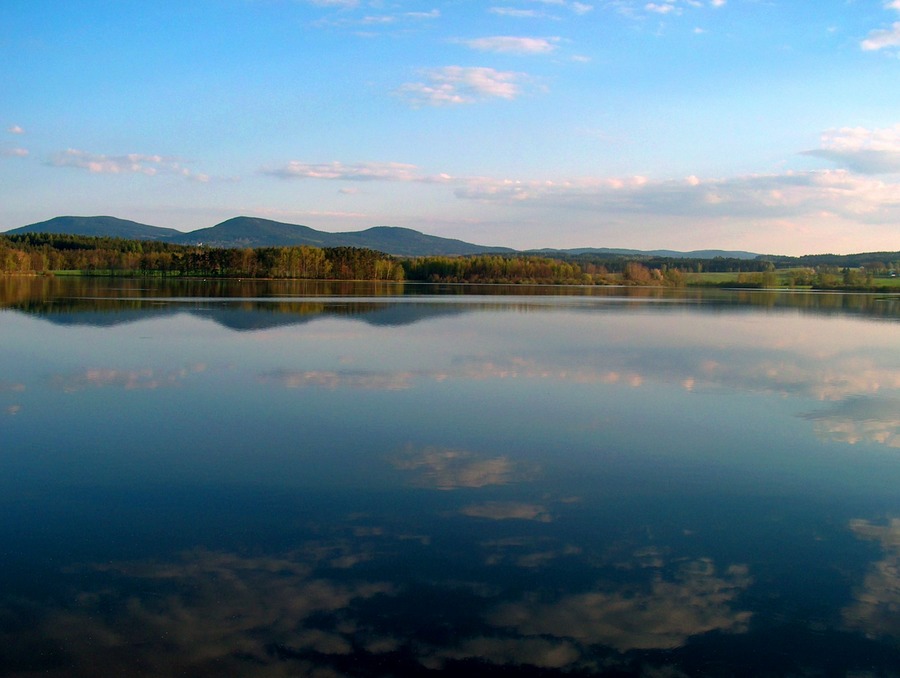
(58, 254)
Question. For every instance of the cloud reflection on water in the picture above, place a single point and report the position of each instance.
(449, 469)
(128, 379)
(210, 613)
(877, 601)
(696, 600)
(860, 420)
(220, 613)
(331, 380)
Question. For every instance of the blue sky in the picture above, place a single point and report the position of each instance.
(764, 125)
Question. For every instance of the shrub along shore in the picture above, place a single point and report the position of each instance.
(55, 254)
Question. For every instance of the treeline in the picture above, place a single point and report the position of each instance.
(44, 253)
(54, 253)
(616, 263)
(47, 253)
(496, 268)
(876, 262)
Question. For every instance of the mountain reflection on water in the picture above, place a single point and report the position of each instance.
(282, 479)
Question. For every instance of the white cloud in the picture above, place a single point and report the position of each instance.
(660, 8)
(506, 44)
(347, 19)
(433, 14)
(363, 171)
(868, 151)
(132, 163)
(760, 196)
(455, 85)
(634, 8)
(16, 129)
(578, 8)
(346, 4)
(14, 153)
(517, 13)
(882, 38)
(893, 4)
(837, 193)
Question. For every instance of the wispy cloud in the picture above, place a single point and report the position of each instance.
(347, 18)
(882, 38)
(848, 193)
(432, 14)
(346, 4)
(131, 163)
(455, 85)
(578, 8)
(662, 8)
(868, 151)
(506, 44)
(637, 8)
(15, 129)
(363, 171)
(766, 195)
(14, 152)
(515, 12)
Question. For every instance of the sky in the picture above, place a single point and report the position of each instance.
(764, 125)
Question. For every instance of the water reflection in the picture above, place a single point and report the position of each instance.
(255, 304)
(860, 420)
(662, 614)
(605, 482)
(877, 600)
(444, 469)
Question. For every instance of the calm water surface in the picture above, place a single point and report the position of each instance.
(263, 479)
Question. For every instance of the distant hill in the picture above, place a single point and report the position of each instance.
(110, 227)
(255, 232)
(673, 254)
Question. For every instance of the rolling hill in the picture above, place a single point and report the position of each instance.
(243, 231)
(255, 232)
(110, 227)
(673, 254)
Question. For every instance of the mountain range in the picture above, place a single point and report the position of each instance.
(255, 232)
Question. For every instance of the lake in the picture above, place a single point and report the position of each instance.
(209, 478)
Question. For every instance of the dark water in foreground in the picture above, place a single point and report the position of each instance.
(287, 480)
